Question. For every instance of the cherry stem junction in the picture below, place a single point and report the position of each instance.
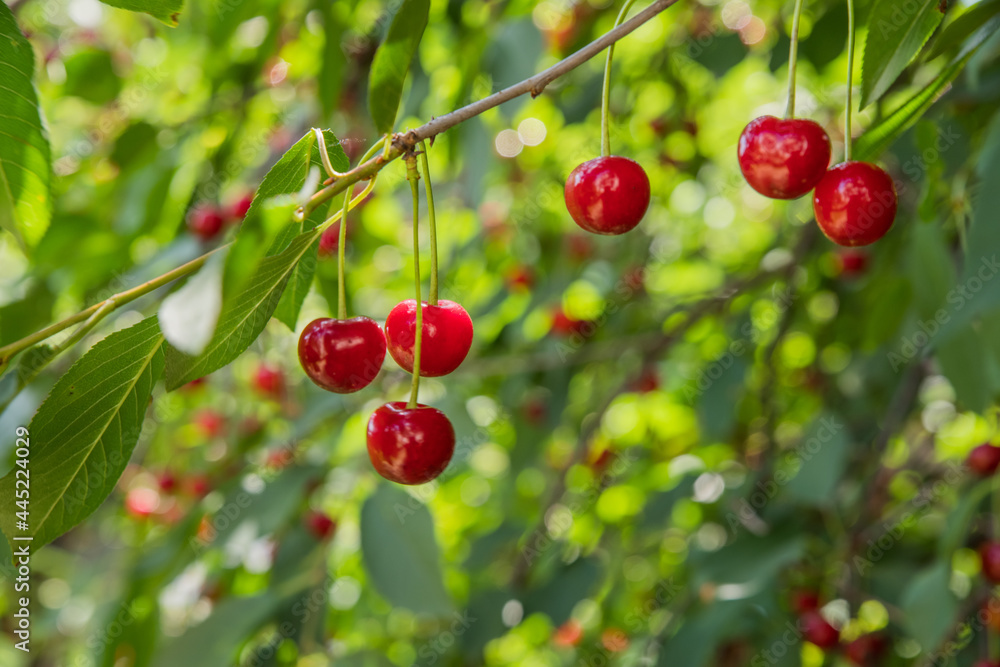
(412, 175)
(606, 92)
(793, 59)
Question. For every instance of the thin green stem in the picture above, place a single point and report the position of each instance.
(606, 93)
(119, 300)
(341, 242)
(850, 80)
(433, 298)
(793, 59)
(324, 156)
(412, 175)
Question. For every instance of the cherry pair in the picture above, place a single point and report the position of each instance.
(344, 356)
(854, 202)
(206, 220)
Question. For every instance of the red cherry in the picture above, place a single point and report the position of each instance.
(614, 640)
(865, 650)
(602, 460)
(444, 343)
(320, 525)
(342, 356)
(855, 203)
(329, 240)
(568, 634)
(580, 247)
(564, 325)
(986, 663)
(989, 554)
(783, 159)
(852, 262)
(818, 630)
(410, 445)
(279, 458)
(648, 381)
(141, 501)
(239, 208)
(167, 481)
(269, 380)
(984, 459)
(607, 195)
(205, 222)
(194, 384)
(520, 279)
(199, 486)
(804, 601)
(211, 423)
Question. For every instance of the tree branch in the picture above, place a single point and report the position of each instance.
(401, 143)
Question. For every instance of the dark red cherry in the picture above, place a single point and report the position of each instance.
(329, 240)
(984, 459)
(446, 339)
(206, 221)
(852, 262)
(410, 445)
(855, 203)
(320, 525)
(607, 195)
(238, 209)
(804, 600)
(783, 159)
(989, 554)
(865, 650)
(342, 356)
(269, 380)
(818, 630)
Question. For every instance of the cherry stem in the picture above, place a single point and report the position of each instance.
(341, 242)
(606, 93)
(850, 80)
(793, 60)
(412, 175)
(324, 156)
(433, 298)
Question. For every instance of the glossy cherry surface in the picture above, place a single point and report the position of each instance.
(607, 195)
(410, 445)
(444, 344)
(984, 459)
(989, 554)
(783, 158)
(855, 203)
(342, 356)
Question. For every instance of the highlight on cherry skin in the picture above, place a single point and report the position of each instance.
(445, 341)
(342, 356)
(607, 195)
(783, 158)
(855, 203)
(409, 445)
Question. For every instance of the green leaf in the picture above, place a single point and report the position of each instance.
(557, 597)
(883, 135)
(956, 527)
(243, 317)
(400, 552)
(214, 641)
(962, 27)
(929, 607)
(896, 34)
(167, 11)
(267, 225)
(84, 433)
(25, 158)
(392, 62)
(823, 452)
(334, 63)
(695, 642)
